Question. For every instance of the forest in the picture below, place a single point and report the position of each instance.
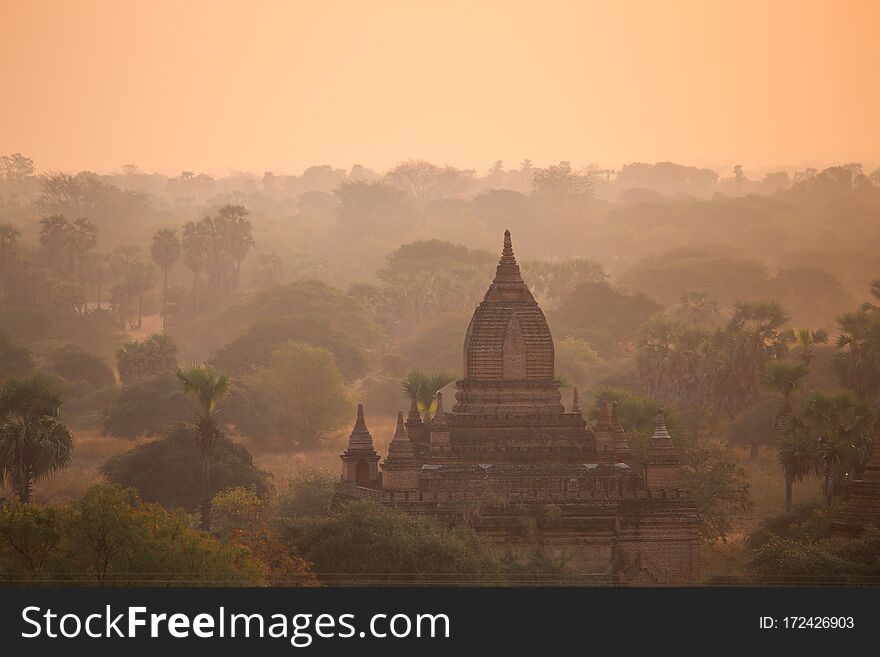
(181, 357)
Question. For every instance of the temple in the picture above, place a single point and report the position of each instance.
(527, 474)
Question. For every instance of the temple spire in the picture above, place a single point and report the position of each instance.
(360, 424)
(360, 438)
(400, 447)
(661, 441)
(508, 270)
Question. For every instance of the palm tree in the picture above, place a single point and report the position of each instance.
(806, 340)
(34, 442)
(756, 335)
(836, 430)
(857, 361)
(697, 307)
(165, 252)
(785, 377)
(82, 237)
(9, 235)
(238, 234)
(797, 460)
(424, 386)
(209, 388)
(655, 351)
(196, 246)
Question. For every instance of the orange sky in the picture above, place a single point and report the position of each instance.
(214, 86)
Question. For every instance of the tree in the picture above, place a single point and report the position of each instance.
(168, 470)
(797, 461)
(305, 392)
(428, 182)
(34, 442)
(196, 245)
(655, 349)
(31, 535)
(75, 364)
(377, 205)
(806, 341)
(238, 231)
(785, 378)
(697, 307)
(135, 276)
(113, 537)
(254, 348)
(365, 539)
(424, 386)
(553, 281)
(604, 315)
(14, 360)
(9, 236)
(16, 167)
(244, 518)
(560, 180)
(833, 433)
(209, 388)
(67, 241)
(165, 251)
(755, 335)
(53, 236)
(138, 359)
(857, 361)
(82, 237)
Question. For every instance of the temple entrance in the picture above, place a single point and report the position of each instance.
(362, 473)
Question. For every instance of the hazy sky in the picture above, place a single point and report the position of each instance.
(258, 86)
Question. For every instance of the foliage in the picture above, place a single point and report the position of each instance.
(75, 364)
(308, 493)
(254, 349)
(827, 436)
(305, 391)
(150, 405)
(720, 487)
(14, 360)
(858, 359)
(168, 470)
(721, 368)
(345, 314)
(155, 355)
(603, 315)
(241, 509)
(668, 276)
(243, 518)
(799, 547)
(368, 540)
(34, 441)
(424, 386)
(111, 536)
(146, 407)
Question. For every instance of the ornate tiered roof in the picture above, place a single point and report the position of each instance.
(661, 450)
(508, 337)
(508, 351)
(400, 451)
(360, 439)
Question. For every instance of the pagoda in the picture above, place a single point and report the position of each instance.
(509, 448)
